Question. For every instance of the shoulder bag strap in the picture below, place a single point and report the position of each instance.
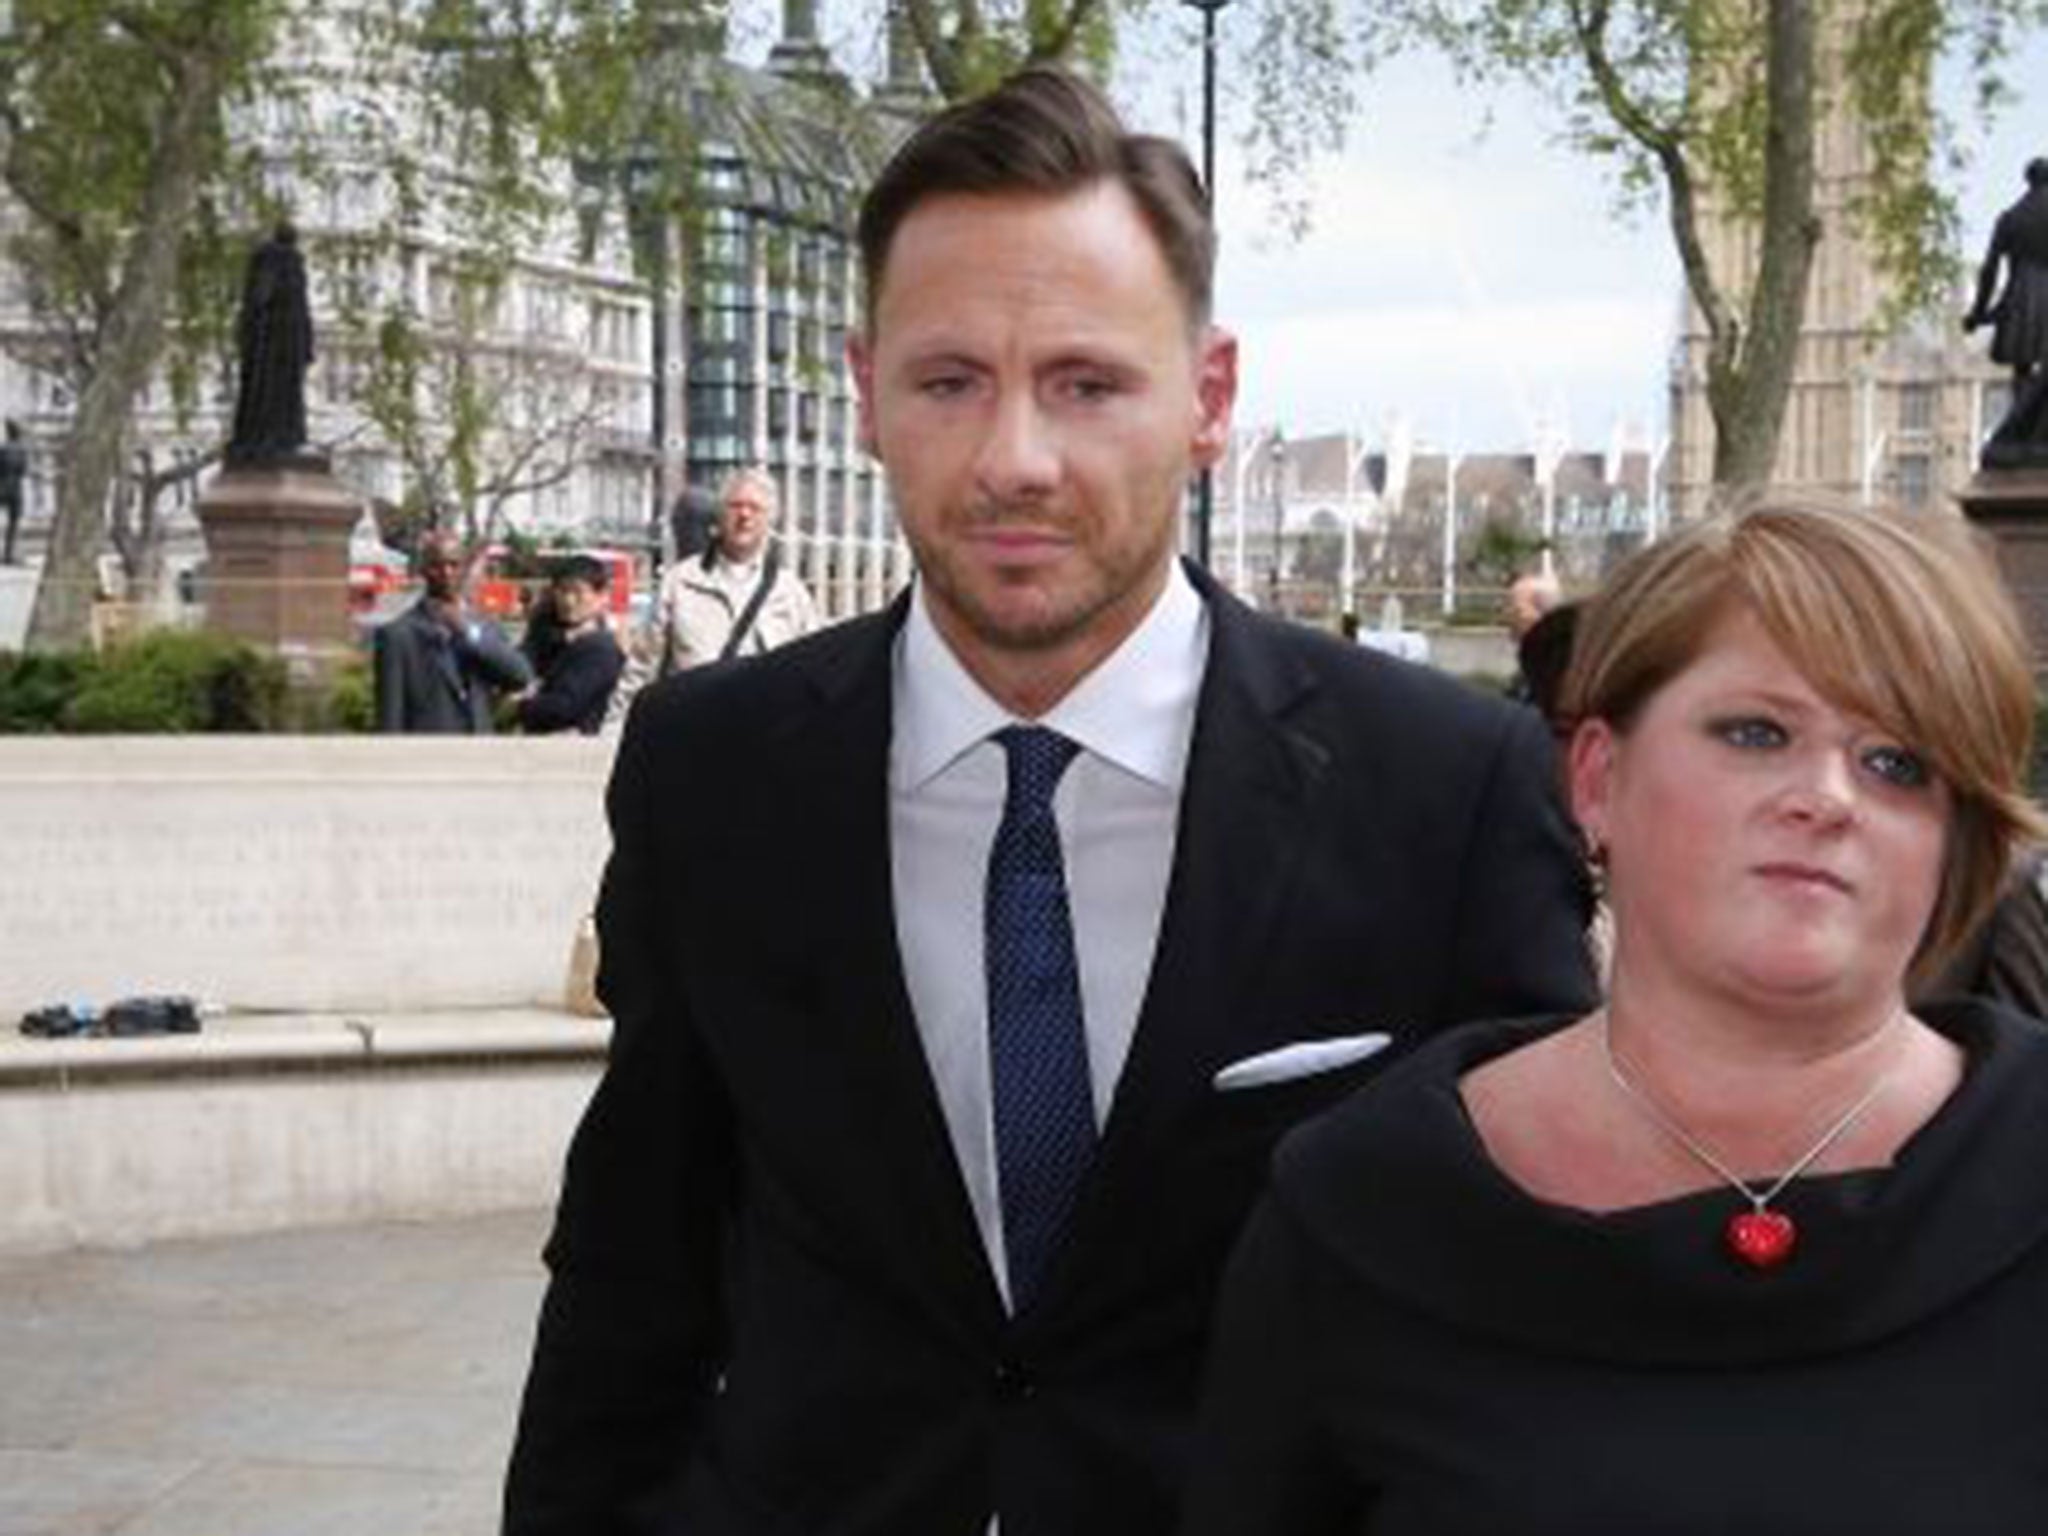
(770, 567)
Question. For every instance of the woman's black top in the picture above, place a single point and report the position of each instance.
(1411, 1344)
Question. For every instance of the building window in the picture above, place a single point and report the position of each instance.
(714, 408)
(1916, 408)
(723, 250)
(1916, 479)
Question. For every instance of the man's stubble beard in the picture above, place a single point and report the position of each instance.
(1058, 627)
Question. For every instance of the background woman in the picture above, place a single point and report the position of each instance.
(1755, 1247)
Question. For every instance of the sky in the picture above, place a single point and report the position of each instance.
(1480, 280)
(1463, 269)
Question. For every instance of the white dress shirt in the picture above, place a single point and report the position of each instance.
(1117, 807)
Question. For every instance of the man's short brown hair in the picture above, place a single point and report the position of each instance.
(1046, 131)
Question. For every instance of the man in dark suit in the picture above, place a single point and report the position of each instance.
(968, 960)
(437, 666)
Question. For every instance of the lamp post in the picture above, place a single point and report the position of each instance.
(1872, 442)
(1354, 460)
(1450, 592)
(648, 219)
(1278, 450)
(1244, 455)
(1205, 484)
(1653, 491)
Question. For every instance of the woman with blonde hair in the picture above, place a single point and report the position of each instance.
(1755, 1246)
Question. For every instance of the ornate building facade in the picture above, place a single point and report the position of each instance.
(620, 358)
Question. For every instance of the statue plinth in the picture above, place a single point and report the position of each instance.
(277, 556)
(2012, 506)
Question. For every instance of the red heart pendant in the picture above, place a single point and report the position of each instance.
(1761, 1239)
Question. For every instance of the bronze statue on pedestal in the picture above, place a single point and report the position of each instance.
(274, 338)
(2018, 316)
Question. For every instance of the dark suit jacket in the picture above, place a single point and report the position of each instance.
(432, 681)
(771, 1311)
(576, 686)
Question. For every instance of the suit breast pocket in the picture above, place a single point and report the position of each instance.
(1249, 1121)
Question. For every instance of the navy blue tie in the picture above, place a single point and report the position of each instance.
(1044, 1111)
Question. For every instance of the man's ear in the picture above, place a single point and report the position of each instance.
(860, 361)
(1215, 395)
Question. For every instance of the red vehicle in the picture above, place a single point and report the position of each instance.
(495, 591)
(372, 574)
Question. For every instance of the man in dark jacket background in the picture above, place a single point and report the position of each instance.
(584, 661)
(438, 667)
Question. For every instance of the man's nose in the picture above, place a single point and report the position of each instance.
(1019, 457)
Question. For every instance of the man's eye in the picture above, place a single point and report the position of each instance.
(943, 386)
(1751, 732)
(1088, 387)
(1898, 765)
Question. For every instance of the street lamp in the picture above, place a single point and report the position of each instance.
(1653, 491)
(1450, 594)
(1244, 456)
(1871, 441)
(647, 217)
(1354, 460)
(1278, 450)
(1205, 486)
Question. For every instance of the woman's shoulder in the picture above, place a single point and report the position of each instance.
(1396, 1193)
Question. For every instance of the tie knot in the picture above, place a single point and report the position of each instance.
(1038, 756)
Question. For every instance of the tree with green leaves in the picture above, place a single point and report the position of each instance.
(968, 46)
(113, 115)
(1703, 106)
(147, 140)
(1715, 107)
(479, 411)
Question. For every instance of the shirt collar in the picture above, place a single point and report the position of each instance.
(1136, 709)
(739, 572)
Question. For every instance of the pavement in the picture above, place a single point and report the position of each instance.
(337, 1381)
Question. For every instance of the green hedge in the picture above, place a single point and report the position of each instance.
(176, 682)
(34, 690)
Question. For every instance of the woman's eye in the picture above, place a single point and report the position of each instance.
(1897, 765)
(1750, 731)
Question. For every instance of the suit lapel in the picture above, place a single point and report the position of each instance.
(1244, 823)
(440, 657)
(842, 767)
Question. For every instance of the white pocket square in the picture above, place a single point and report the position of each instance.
(1304, 1059)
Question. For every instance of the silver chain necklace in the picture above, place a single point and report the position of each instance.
(1760, 1237)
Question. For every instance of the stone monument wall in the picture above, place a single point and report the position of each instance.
(303, 874)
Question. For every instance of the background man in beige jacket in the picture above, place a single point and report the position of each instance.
(734, 599)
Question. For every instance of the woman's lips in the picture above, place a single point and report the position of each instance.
(1805, 874)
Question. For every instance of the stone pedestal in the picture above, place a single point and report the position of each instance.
(2012, 506)
(277, 557)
